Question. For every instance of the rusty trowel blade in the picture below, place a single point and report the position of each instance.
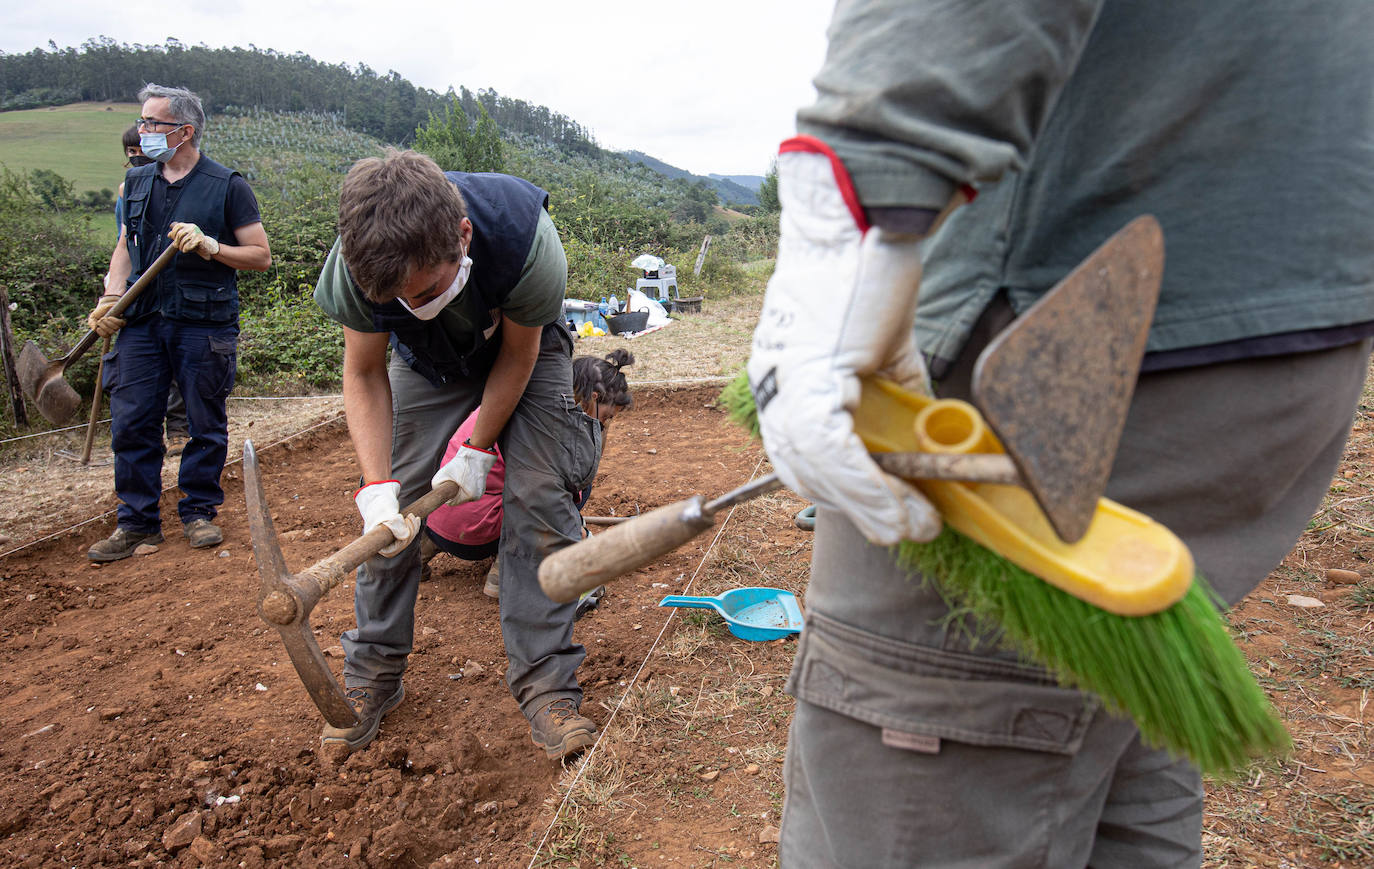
(43, 384)
(1057, 384)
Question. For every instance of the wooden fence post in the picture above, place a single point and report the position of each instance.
(701, 257)
(21, 414)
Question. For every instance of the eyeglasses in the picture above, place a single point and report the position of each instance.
(154, 122)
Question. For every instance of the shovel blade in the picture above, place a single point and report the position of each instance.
(44, 385)
(1057, 384)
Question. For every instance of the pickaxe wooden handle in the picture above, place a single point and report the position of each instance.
(285, 599)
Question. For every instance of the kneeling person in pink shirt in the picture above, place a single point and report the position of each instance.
(472, 531)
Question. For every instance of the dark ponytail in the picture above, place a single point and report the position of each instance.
(603, 377)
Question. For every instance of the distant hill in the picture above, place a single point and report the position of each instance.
(730, 191)
(749, 182)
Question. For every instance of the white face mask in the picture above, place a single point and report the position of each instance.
(429, 310)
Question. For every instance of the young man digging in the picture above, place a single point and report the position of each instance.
(463, 275)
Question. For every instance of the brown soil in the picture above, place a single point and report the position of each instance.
(148, 717)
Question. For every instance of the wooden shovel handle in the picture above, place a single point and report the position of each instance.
(129, 297)
(95, 403)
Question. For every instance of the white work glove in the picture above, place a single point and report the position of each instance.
(841, 303)
(468, 468)
(378, 505)
(99, 320)
(188, 239)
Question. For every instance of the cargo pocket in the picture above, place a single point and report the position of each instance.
(109, 371)
(920, 695)
(216, 377)
(584, 447)
(205, 302)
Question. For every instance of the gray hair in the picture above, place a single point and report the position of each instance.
(185, 107)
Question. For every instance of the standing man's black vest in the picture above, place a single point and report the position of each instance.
(189, 288)
(504, 211)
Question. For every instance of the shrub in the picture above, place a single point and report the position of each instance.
(285, 340)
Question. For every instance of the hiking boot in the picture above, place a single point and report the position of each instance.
(202, 533)
(121, 544)
(492, 587)
(176, 442)
(560, 731)
(371, 705)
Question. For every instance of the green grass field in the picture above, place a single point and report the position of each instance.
(79, 141)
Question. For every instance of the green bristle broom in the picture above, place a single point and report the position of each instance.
(1177, 672)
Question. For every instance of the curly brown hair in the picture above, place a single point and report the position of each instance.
(397, 213)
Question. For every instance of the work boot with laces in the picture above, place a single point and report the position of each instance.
(202, 533)
(492, 587)
(371, 705)
(121, 544)
(560, 731)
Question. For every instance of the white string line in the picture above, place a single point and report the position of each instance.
(591, 753)
(721, 378)
(50, 432)
(164, 491)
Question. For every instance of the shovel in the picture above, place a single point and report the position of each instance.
(1054, 387)
(44, 382)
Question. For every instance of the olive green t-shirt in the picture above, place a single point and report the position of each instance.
(536, 299)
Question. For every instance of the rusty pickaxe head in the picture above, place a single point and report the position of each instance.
(285, 601)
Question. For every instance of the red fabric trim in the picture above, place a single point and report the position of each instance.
(812, 145)
(472, 446)
(374, 483)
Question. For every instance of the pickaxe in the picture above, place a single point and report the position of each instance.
(285, 599)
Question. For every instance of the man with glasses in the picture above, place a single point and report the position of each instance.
(183, 329)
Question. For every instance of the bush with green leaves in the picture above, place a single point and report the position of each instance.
(285, 340)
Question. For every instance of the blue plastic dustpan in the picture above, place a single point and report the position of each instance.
(757, 613)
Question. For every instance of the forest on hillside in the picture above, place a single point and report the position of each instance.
(386, 106)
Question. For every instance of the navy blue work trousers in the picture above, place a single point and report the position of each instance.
(147, 358)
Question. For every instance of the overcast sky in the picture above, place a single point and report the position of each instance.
(708, 85)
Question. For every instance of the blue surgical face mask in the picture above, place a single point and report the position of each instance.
(154, 145)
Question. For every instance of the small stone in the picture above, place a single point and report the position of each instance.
(751, 769)
(1342, 577)
(710, 775)
(428, 632)
(145, 549)
(206, 851)
(766, 690)
(1304, 601)
(488, 808)
(182, 832)
(769, 835)
(110, 713)
(334, 652)
(223, 553)
(652, 451)
(473, 669)
(65, 799)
